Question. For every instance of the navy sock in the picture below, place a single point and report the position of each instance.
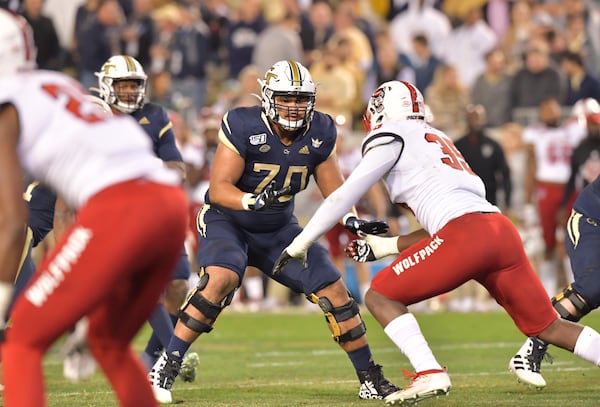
(162, 326)
(361, 358)
(177, 348)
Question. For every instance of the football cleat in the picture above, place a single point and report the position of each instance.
(425, 384)
(189, 367)
(373, 385)
(526, 364)
(79, 365)
(161, 376)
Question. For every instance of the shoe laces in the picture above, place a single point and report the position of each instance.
(537, 354)
(375, 375)
(414, 376)
(168, 373)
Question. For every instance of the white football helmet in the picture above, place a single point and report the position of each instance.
(288, 78)
(394, 100)
(122, 68)
(584, 108)
(17, 49)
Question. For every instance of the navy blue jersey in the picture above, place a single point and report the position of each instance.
(588, 200)
(156, 123)
(246, 131)
(582, 241)
(40, 201)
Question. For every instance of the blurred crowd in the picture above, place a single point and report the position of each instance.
(488, 70)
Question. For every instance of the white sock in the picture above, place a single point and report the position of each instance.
(588, 345)
(404, 331)
(254, 288)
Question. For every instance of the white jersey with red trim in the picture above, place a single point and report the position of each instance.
(69, 144)
(430, 176)
(553, 147)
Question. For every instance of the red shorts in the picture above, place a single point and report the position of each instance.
(482, 247)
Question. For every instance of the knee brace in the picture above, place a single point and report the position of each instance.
(580, 305)
(208, 308)
(334, 315)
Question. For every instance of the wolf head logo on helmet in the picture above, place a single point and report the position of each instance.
(288, 79)
(17, 49)
(394, 100)
(122, 68)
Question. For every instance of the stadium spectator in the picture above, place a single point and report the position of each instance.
(522, 28)
(336, 86)
(536, 81)
(246, 23)
(465, 46)
(422, 170)
(280, 40)
(421, 60)
(249, 220)
(51, 131)
(188, 58)
(421, 17)
(316, 30)
(492, 89)
(448, 98)
(346, 25)
(44, 35)
(138, 33)
(580, 83)
(387, 65)
(98, 38)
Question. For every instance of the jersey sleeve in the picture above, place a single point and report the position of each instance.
(232, 125)
(166, 148)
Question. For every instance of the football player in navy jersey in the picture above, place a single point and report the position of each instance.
(580, 297)
(265, 156)
(122, 85)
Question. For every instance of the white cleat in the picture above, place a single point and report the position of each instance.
(426, 384)
(161, 377)
(526, 364)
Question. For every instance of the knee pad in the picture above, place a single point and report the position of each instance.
(334, 315)
(208, 308)
(580, 305)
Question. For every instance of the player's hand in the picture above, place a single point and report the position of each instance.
(360, 251)
(267, 197)
(374, 227)
(371, 247)
(296, 250)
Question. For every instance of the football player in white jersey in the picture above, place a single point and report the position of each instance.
(129, 207)
(464, 237)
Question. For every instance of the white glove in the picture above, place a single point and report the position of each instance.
(372, 248)
(296, 250)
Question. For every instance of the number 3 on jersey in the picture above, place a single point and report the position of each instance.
(453, 157)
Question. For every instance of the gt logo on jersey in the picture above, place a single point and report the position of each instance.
(316, 143)
(257, 139)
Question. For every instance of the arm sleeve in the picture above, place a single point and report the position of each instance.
(373, 166)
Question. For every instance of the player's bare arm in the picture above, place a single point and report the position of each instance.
(13, 210)
(179, 166)
(63, 217)
(228, 167)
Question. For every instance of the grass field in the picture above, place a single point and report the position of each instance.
(288, 359)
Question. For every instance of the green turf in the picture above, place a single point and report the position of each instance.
(288, 359)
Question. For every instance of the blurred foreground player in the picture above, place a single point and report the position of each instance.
(114, 261)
